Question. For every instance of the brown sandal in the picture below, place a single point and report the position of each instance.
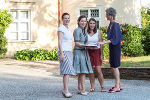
(102, 89)
(91, 90)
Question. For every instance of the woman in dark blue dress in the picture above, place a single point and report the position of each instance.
(114, 38)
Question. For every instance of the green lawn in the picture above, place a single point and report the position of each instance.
(143, 61)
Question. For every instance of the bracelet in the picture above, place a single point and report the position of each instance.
(61, 52)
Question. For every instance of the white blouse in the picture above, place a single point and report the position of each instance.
(94, 38)
(67, 38)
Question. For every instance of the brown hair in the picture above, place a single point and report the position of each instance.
(95, 29)
(81, 16)
(64, 15)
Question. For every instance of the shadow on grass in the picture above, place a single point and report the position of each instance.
(135, 63)
(129, 63)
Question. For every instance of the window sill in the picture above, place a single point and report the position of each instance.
(20, 41)
(22, 1)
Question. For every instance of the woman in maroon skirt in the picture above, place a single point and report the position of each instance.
(95, 54)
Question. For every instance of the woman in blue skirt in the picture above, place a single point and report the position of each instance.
(115, 37)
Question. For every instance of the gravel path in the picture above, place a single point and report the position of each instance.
(21, 80)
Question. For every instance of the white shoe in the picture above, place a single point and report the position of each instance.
(84, 93)
(67, 95)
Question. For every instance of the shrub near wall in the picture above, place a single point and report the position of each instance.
(105, 47)
(146, 29)
(146, 41)
(5, 21)
(37, 54)
(132, 43)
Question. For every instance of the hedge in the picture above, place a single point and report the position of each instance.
(131, 45)
(37, 54)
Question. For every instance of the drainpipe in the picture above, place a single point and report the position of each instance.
(59, 16)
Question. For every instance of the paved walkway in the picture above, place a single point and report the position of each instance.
(21, 80)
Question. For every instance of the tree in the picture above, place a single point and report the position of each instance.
(5, 21)
(146, 29)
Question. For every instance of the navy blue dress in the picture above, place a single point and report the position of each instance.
(115, 36)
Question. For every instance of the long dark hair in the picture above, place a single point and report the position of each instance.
(82, 16)
(95, 29)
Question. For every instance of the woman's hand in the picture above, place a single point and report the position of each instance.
(101, 58)
(98, 43)
(102, 43)
(62, 57)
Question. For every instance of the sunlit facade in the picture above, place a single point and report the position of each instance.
(36, 21)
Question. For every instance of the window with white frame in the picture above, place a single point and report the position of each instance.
(91, 13)
(20, 29)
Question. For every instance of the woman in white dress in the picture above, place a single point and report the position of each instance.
(65, 53)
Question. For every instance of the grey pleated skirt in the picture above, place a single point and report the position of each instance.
(82, 62)
(66, 67)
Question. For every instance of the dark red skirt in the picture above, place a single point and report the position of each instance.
(95, 57)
